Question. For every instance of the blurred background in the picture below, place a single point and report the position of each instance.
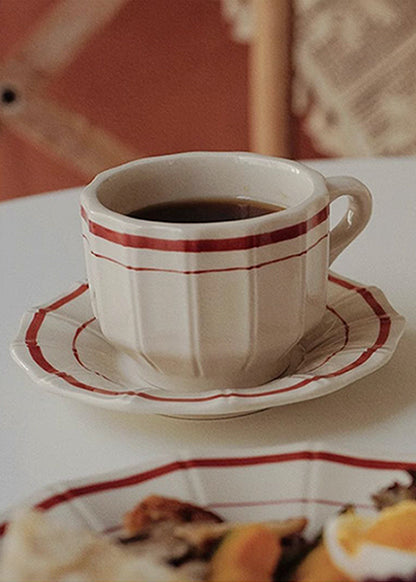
(88, 85)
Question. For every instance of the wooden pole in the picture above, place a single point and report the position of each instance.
(269, 78)
(27, 111)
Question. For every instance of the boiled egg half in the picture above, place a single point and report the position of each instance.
(383, 546)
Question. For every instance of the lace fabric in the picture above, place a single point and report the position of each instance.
(355, 79)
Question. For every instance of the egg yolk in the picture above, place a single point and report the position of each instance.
(352, 531)
(318, 567)
(396, 527)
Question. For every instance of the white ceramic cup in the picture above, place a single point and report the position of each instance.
(213, 305)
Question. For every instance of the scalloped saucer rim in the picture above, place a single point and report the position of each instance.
(61, 347)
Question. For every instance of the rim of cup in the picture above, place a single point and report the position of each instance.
(90, 195)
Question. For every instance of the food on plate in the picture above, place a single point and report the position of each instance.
(395, 493)
(161, 539)
(156, 508)
(353, 547)
(248, 553)
(38, 550)
(164, 539)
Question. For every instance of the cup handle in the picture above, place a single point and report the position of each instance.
(356, 217)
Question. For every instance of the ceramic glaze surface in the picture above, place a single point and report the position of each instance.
(62, 347)
(213, 305)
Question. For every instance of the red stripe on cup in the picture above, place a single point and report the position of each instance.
(204, 271)
(205, 245)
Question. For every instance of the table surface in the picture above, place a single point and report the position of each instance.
(45, 438)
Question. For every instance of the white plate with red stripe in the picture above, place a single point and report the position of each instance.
(274, 483)
(60, 345)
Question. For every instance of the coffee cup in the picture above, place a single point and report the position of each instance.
(219, 304)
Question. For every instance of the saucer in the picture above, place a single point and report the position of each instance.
(61, 346)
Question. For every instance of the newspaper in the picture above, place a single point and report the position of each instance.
(355, 75)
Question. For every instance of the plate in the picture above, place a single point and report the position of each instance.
(62, 348)
(274, 483)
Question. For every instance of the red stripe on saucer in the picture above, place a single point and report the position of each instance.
(38, 357)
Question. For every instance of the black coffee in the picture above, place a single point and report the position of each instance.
(211, 210)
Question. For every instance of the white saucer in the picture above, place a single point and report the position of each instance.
(61, 347)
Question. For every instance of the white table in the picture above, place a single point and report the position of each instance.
(45, 438)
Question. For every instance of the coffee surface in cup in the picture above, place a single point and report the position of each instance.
(209, 210)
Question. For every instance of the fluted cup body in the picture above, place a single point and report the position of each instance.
(207, 305)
